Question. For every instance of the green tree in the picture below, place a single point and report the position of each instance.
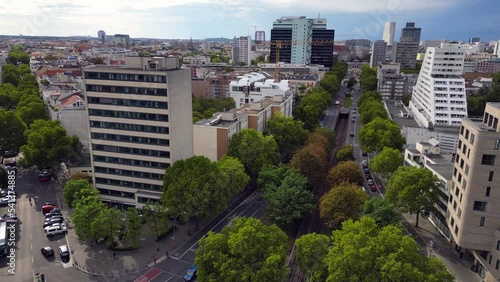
(345, 153)
(246, 250)
(331, 84)
(380, 133)
(370, 95)
(347, 171)
(12, 128)
(351, 82)
(331, 138)
(9, 96)
(361, 251)
(341, 203)
(86, 210)
(311, 162)
(47, 145)
(382, 211)
(155, 215)
(413, 190)
(234, 172)
(310, 108)
(254, 150)
(106, 225)
(288, 133)
(4, 178)
(370, 110)
(289, 200)
(76, 189)
(310, 253)
(387, 161)
(195, 187)
(31, 111)
(132, 226)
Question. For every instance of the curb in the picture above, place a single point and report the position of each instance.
(75, 264)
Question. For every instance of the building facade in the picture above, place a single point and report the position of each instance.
(410, 33)
(379, 49)
(439, 96)
(122, 39)
(140, 118)
(391, 83)
(496, 49)
(242, 46)
(405, 53)
(488, 66)
(101, 36)
(260, 37)
(305, 41)
(389, 30)
(474, 204)
(253, 87)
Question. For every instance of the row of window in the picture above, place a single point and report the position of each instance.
(130, 115)
(127, 90)
(128, 184)
(122, 161)
(129, 173)
(126, 77)
(131, 139)
(133, 151)
(128, 103)
(129, 127)
(115, 193)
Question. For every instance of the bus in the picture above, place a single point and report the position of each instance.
(3, 238)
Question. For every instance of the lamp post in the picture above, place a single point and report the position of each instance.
(175, 218)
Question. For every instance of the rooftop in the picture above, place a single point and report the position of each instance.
(442, 164)
(397, 111)
(218, 121)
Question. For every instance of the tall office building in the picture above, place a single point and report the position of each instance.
(306, 41)
(405, 53)
(241, 50)
(122, 39)
(379, 48)
(389, 30)
(140, 118)
(410, 33)
(260, 37)
(474, 40)
(474, 204)
(496, 49)
(439, 96)
(101, 36)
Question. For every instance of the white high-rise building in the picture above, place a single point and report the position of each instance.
(496, 50)
(242, 47)
(439, 96)
(389, 30)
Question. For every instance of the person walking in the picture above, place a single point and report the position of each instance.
(114, 255)
(155, 259)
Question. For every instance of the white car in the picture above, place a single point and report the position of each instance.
(58, 225)
(54, 230)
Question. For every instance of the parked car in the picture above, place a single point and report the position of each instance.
(47, 252)
(4, 201)
(54, 231)
(364, 154)
(370, 181)
(10, 162)
(64, 253)
(366, 170)
(4, 193)
(61, 226)
(368, 176)
(51, 221)
(191, 273)
(352, 134)
(44, 175)
(353, 120)
(9, 217)
(373, 187)
(10, 168)
(365, 163)
(49, 203)
(48, 208)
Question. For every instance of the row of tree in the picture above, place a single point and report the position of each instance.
(477, 102)
(205, 108)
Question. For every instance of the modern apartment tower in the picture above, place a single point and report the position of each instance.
(260, 37)
(389, 30)
(241, 50)
(439, 96)
(379, 49)
(140, 118)
(474, 204)
(305, 41)
(410, 33)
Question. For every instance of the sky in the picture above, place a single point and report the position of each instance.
(199, 19)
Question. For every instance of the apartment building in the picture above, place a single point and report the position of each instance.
(391, 83)
(488, 66)
(211, 136)
(405, 53)
(379, 49)
(140, 118)
(241, 49)
(439, 96)
(474, 204)
(410, 33)
(253, 87)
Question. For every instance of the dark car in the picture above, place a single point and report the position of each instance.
(364, 154)
(49, 203)
(44, 175)
(9, 217)
(53, 214)
(9, 154)
(373, 187)
(47, 252)
(10, 162)
(366, 170)
(191, 273)
(352, 134)
(368, 176)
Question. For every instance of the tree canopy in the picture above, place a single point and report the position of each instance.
(254, 150)
(205, 108)
(341, 203)
(387, 161)
(234, 172)
(310, 108)
(370, 110)
(369, 95)
(380, 133)
(413, 189)
(382, 211)
(76, 189)
(311, 162)
(288, 133)
(347, 171)
(12, 131)
(311, 251)
(245, 250)
(345, 153)
(368, 79)
(362, 251)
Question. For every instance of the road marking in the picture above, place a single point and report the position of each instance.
(32, 247)
(32, 261)
(31, 236)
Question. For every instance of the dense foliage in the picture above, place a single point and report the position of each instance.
(205, 108)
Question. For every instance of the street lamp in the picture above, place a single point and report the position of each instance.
(175, 218)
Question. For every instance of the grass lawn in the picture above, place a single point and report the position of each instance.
(347, 102)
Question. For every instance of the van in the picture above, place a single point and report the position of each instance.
(54, 230)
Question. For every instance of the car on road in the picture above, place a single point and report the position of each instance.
(191, 273)
(51, 221)
(370, 181)
(9, 217)
(373, 187)
(64, 253)
(7, 200)
(368, 176)
(365, 163)
(366, 170)
(4, 193)
(364, 154)
(58, 225)
(353, 120)
(48, 208)
(52, 214)
(11, 168)
(47, 252)
(44, 175)
(352, 134)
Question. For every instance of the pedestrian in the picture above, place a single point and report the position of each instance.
(155, 260)
(114, 255)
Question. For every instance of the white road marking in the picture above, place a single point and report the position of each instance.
(32, 261)
(32, 247)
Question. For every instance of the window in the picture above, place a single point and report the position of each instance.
(472, 137)
(459, 213)
(459, 177)
(464, 184)
(479, 206)
(466, 169)
(453, 223)
(497, 144)
(467, 134)
(455, 205)
(464, 148)
(461, 130)
(498, 264)
(481, 222)
(456, 230)
(488, 159)
(462, 164)
(461, 197)
(490, 177)
(488, 189)
(498, 245)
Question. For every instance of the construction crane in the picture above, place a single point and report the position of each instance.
(278, 44)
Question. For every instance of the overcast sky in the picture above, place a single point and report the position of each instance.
(450, 19)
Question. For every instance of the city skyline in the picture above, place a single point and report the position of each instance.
(229, 18)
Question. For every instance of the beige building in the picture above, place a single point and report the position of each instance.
(474, 205)
(140, 118)
(211, 136)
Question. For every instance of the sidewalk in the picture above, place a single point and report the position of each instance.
(444, 250)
